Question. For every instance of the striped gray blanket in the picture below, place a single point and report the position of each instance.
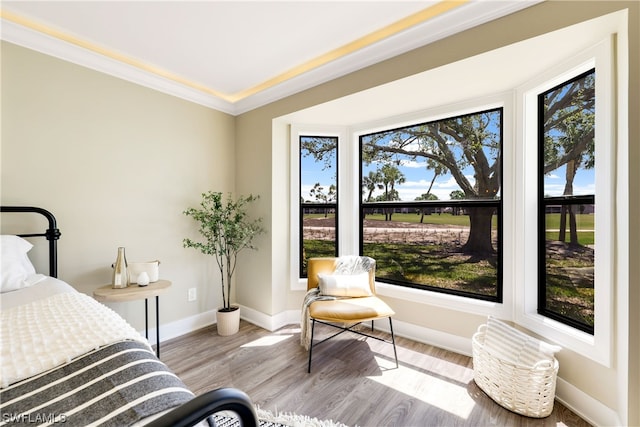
(117, 385)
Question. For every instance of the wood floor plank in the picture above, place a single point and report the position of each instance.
(353, 380)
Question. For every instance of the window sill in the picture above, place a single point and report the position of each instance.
(452, 302)
(548, 329)
(567, 337)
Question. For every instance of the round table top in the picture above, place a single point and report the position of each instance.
(108, 293)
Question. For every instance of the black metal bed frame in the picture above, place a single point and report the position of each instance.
(52, 234)
(190, 413)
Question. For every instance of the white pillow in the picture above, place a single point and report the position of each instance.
(15, 266)
(344, 285)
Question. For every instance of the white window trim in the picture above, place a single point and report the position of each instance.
(296, 131)
(598, 346)
(519, 204)
(520, 239)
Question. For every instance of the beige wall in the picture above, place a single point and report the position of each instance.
(264, 135)
(117, 164)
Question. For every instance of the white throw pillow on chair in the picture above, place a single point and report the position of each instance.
(345, 285)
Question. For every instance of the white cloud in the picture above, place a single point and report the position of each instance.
(423, 183)
(409, 190)
(553, 189)
(448, 184)
(414, 146)
(413, 164)
(558, 189)
(584, 189)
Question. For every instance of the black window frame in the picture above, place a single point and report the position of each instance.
(314, 205)
(497, 203)
(543, 203)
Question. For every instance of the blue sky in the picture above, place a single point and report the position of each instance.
(418, 179)
(583, 184)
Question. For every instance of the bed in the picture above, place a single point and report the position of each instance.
(67, 358)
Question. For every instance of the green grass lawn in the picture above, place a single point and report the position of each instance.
(575, 302)
(584, 221)
(584, 237)
(426, 265)
(443, 266)
(431, 266)
(442, 219)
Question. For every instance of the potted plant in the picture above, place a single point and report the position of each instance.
(226, 231)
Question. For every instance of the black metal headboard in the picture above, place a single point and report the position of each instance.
(52, 233)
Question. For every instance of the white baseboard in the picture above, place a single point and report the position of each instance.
(181, 327)
(590, 409)
(270, 323)
(424, 335)
(570, 396)
(189, 324)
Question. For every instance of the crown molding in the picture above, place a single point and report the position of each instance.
(40, 42)
(438, 27)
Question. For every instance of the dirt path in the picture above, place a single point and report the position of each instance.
(393, 232)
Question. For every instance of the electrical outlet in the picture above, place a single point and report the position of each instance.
(192, 294)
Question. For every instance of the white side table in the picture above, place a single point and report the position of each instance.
(108, 293)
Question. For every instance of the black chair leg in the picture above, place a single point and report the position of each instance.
(313, 326)
(393, 340)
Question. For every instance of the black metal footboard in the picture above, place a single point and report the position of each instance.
(207, 404)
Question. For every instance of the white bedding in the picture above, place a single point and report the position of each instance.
(44, 288)
(56, 326)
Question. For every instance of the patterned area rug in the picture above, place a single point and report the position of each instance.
(267, 419)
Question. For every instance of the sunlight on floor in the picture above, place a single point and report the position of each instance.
(446, 395)
(288, 331)
(267, 341)
(275, 338)
(445, 368)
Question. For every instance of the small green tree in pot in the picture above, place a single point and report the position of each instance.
(226, 231)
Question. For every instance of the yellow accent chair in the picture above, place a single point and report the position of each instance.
(342, 294)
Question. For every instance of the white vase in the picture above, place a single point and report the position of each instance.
(228, 322)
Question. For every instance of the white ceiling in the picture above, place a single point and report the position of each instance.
(237, 55)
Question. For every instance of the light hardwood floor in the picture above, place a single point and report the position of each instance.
(353, 381)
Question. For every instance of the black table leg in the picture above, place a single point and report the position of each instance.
(158, 326)
(146, 318)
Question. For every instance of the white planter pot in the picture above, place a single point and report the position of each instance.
(228, 322)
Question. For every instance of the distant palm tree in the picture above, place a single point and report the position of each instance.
(390, 176)
(371, 182)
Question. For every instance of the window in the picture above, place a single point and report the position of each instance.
(318, 214)
(566, 207)
(430, 210)
(565, 252)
